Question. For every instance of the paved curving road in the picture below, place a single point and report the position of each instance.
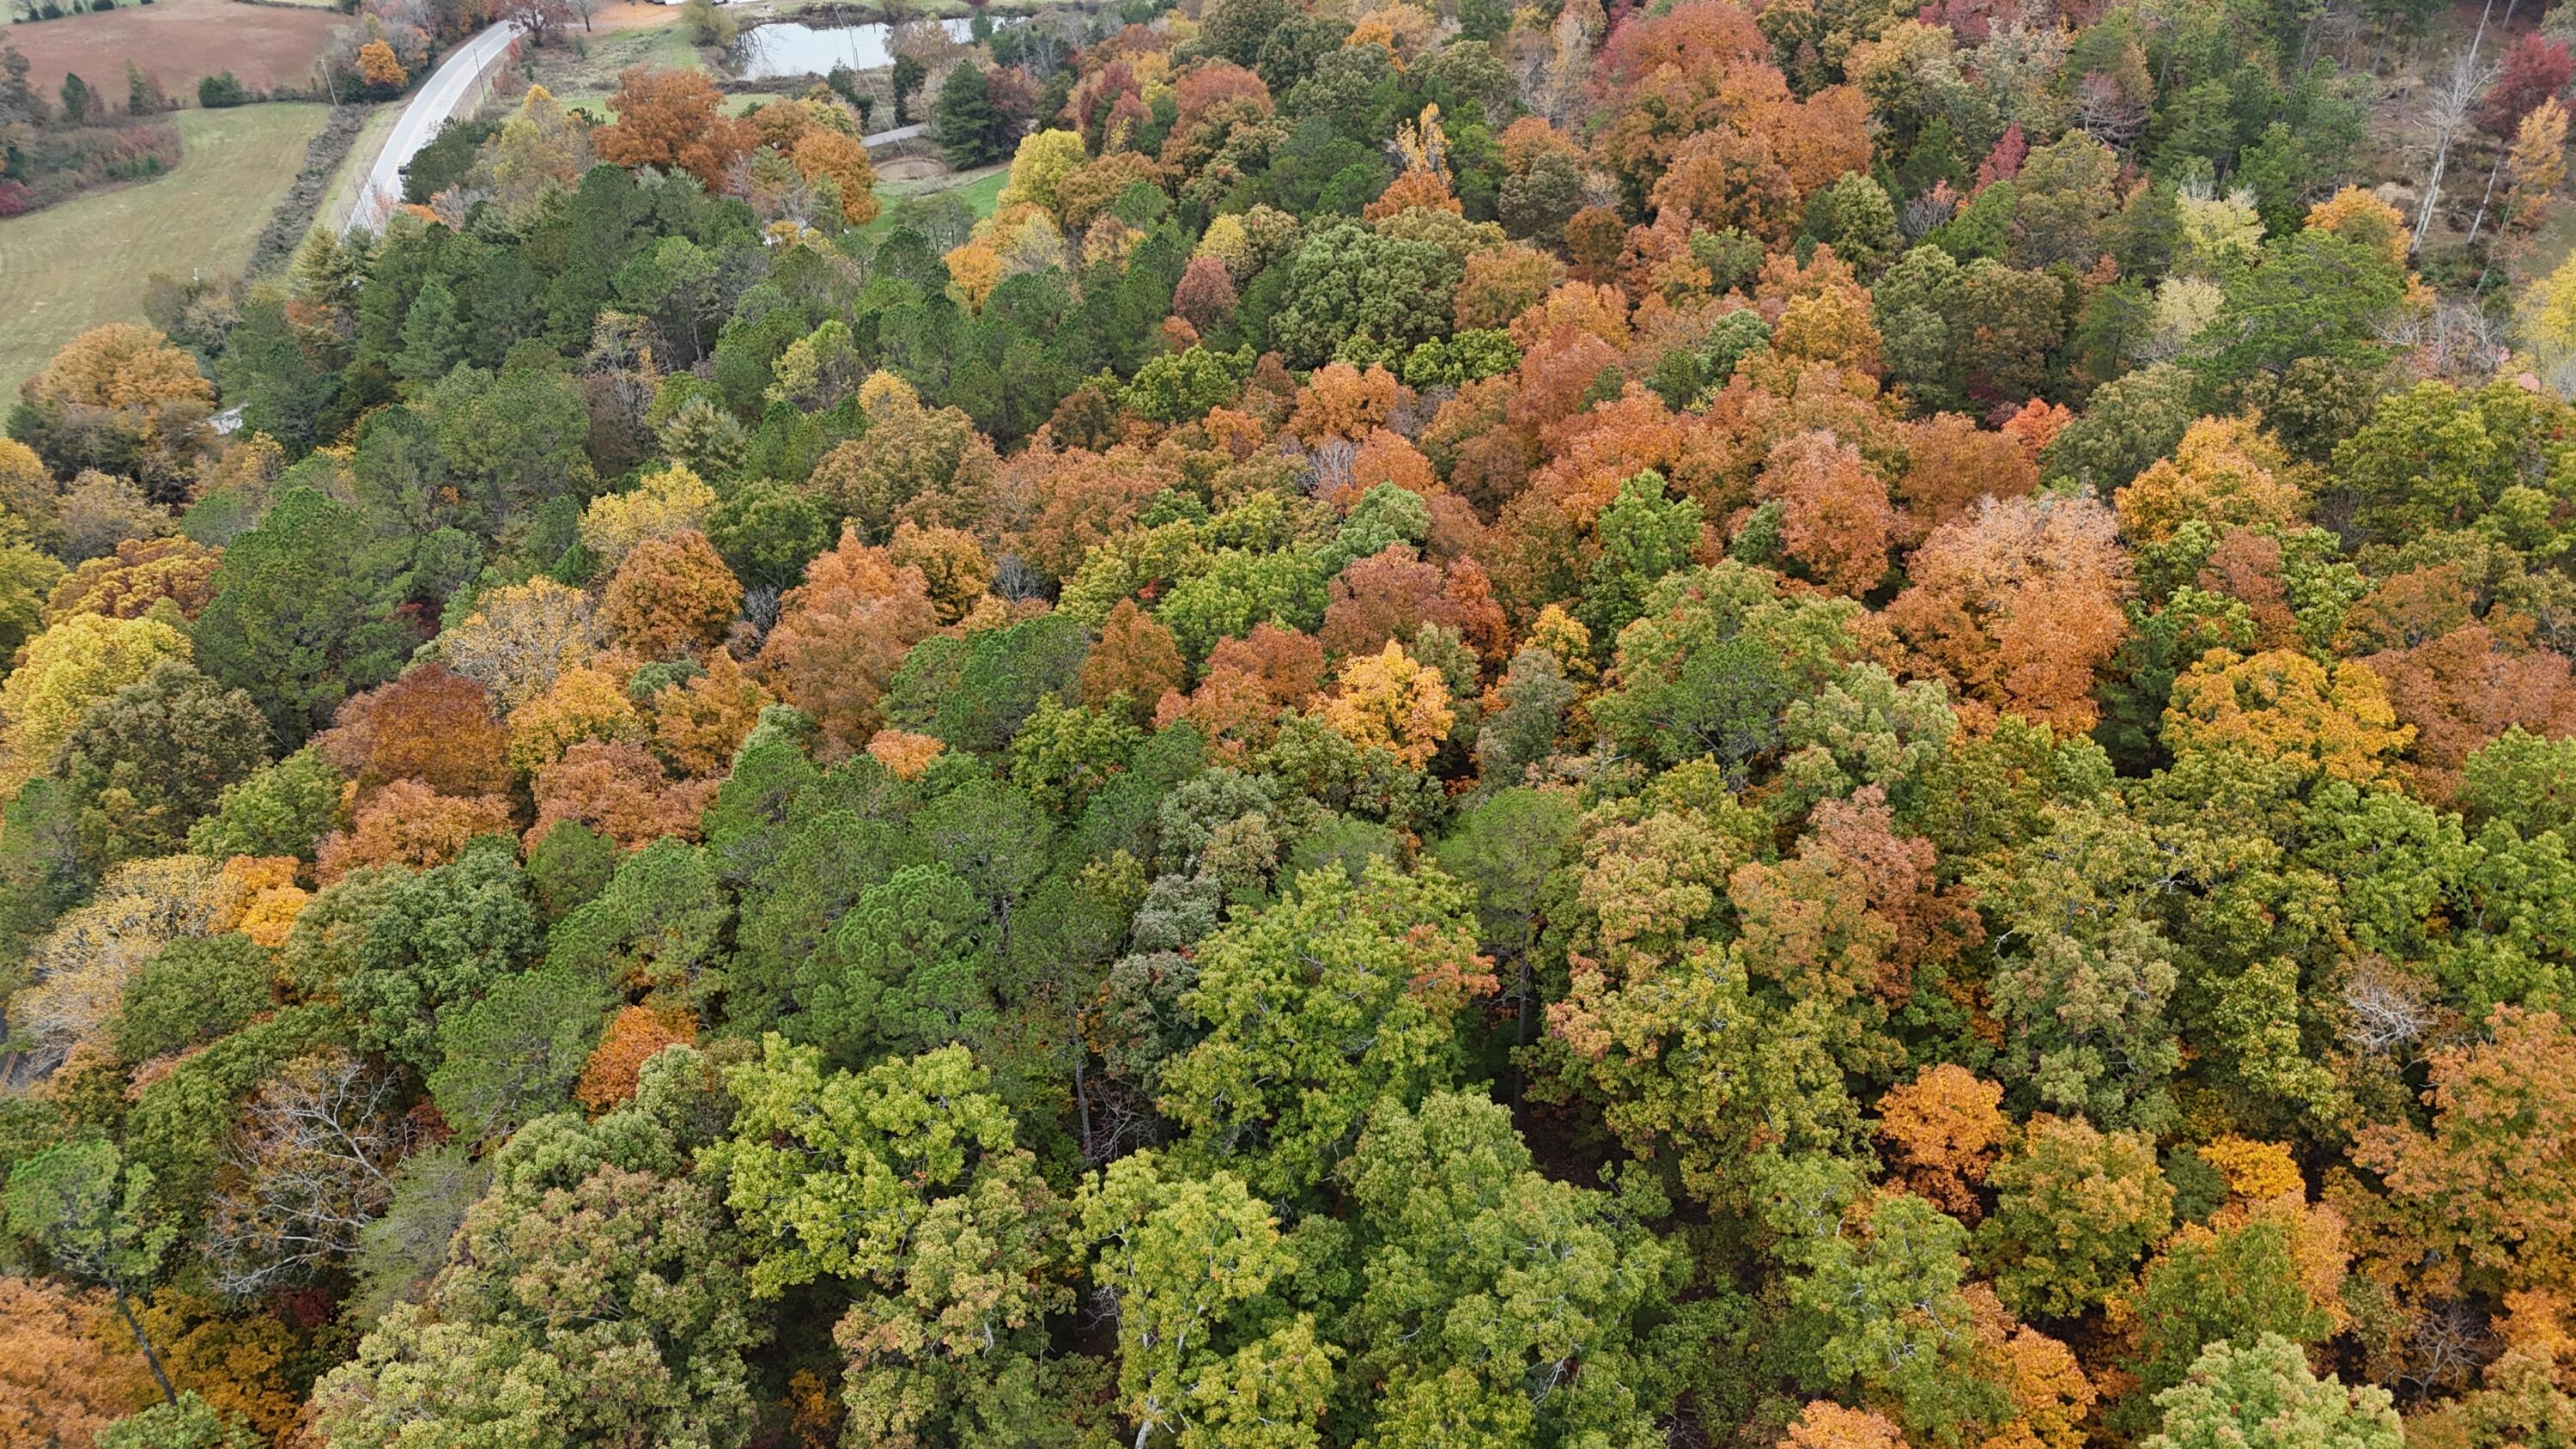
(438, 98)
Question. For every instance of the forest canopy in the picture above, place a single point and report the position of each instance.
(1806, 725)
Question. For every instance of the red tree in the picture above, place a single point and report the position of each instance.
(2533, 71)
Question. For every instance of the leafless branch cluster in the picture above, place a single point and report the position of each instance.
(2386, 1012)
(309, 1167)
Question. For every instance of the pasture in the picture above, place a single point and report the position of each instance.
(82, 263)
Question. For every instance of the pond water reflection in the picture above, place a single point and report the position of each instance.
(788, 48)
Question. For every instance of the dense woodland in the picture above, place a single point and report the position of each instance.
(1807, 726)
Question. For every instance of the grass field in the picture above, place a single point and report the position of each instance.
(179, 41)
(585, 72)
(76, 265)
(343, 192)
(981, 190)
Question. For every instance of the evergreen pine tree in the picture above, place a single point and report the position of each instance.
(969, 127)
(433, 336)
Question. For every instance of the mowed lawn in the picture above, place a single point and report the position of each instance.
(81, 263)
(980, 189)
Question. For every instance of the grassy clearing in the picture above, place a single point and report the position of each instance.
(82, 263)
(981, 190)
(334, 210)
(584, 73)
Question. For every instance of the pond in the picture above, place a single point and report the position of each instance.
(788, 48)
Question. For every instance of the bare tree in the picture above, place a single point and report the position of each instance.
(311, 1165)
(2107, 113)
(2446, 116)
(2454, 339)
(2386, 1012)
(538, 20)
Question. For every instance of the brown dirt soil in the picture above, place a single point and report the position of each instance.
(180, 41)
(626, 15)
(910, 168)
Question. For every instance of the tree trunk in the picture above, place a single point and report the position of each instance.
(2504, 148)
(2484, 199)
(142, 1340)
(1521, 1028)
(1081, 1097)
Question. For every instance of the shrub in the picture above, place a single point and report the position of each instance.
(215, 92)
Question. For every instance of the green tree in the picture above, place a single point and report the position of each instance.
(514, 1055)
(2524, 780)
(969, 127)
(1714, 659)
(2240, 1282)
(2309, 294)
(436, 941)
(284, 392)
(279, 809)
(187, 1422)
(903, 1184)
(1854, 216)
(2127, 424)
(2437, 456)
(1537, 700)
(1644, 535)
(909, 966)
(511, 440)
(1505, 848)
(2082, 989)
(594, 1295)
(1339, 996)
(1208, 1352)
(299, 618)
(148, 761)
(2075, 1209)
(433, 335)
(1876, 1306)
(1471, 1259)
(2264, 1396)
(1357, 296)
(197, 989)
(655, 920)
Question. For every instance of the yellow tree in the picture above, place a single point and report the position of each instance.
(122, 399)
(1044, 159)
(540, 148)
(975, 269)
(1944, 1130)
(825, 154)
(62, 672)
(1388, 701)
(1825, 1424)
(60, 1379)
(2017, 602)
(2537, 163)
(584, 704)
(2364, 220)
(2223, 472)
(672, 501)
(2282, 705)
(2549, 316)
(380, 68)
